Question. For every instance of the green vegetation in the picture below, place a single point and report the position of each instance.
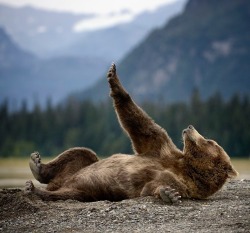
(55, 129)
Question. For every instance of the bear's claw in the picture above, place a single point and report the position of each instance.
(35, 165)
(36, 158)
(112, 71)
(170, 195)
(29, 187)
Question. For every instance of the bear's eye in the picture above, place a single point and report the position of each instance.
(211, 142)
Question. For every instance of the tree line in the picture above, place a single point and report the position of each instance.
(56, 128)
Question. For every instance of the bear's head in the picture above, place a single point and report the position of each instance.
(208, 163)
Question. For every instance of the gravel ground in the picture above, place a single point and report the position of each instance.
(226, 211)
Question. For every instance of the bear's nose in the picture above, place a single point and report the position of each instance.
(190, 127)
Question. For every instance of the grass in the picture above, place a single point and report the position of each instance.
(15, 171)
(15, 168)
(243, 167)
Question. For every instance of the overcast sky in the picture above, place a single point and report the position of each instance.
(110, 12)
(91, 6)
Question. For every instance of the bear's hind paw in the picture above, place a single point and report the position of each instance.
(29, 187)
(35, 165)
(36, 159)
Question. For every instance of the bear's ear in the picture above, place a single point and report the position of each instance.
(231, 172)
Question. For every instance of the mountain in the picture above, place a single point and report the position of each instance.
(41, 56)
(114, 42)
(51, 34)
(206, 47)
(23, 76)
(13, 62)
(39, 31)
(11, 55)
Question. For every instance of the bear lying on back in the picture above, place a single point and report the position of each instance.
(157, 169)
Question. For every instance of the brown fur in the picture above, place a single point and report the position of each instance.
(158, 167)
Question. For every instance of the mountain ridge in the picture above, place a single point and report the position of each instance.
(48, 33)
(23, 76)
(57, 75)
(205, 47)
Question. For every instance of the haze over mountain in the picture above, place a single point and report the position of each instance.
(42, 57)
(39, 31)
(24, 76)
(206, 47)
(52, 34)
(114, 42)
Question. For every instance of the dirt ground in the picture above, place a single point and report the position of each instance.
(226, 211)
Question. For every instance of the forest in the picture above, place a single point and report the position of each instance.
(74, 123)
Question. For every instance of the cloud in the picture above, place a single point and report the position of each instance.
(103, 21)
(93, 6)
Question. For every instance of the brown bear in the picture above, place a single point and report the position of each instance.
(158, 167)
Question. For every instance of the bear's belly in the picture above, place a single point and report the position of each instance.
(116, 179)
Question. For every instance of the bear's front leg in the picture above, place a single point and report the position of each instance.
(164, 192)
(168, 195)
(167, 187)
(144, 133)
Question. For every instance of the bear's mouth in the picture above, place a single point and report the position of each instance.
(187, 136)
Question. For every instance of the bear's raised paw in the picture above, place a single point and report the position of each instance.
(112, 72)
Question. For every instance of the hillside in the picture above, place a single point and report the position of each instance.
(24, 76)
(114, 42)
(206, 47)
(11, 55)
(42, 56)
(39, 31)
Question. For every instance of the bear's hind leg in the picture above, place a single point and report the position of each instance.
(52, 195)
(62, 167)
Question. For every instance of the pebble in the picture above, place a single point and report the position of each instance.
(218, 214)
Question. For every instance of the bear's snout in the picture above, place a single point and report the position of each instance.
(189, 128)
